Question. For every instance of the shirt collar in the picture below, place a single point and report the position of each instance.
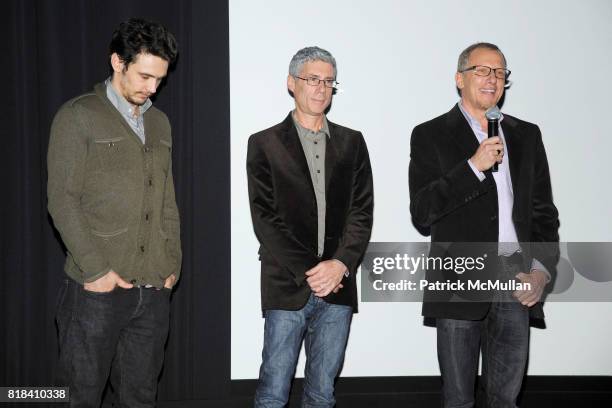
(122, 105)
(324, 127)
(473, 122)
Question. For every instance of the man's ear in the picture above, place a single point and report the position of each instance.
(291, 83)
(116, 63)
(459, 80)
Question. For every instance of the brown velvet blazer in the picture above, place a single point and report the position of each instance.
(284, 211)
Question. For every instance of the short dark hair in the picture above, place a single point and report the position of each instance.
(137, 36)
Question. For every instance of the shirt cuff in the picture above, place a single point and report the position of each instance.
(481, 176)
(535, 264)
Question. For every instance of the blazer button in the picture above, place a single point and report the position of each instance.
(493, 217)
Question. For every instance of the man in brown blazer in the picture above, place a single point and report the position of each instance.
(311, 198)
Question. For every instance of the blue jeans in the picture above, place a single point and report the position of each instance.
(503, 336)
(120, 334)
(324, 327)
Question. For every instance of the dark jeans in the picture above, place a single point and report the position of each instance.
(121, 333)
(503, 336)
(324, 328)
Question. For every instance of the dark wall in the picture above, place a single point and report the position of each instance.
(56, 50)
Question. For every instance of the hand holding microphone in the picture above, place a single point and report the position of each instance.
(491, 150)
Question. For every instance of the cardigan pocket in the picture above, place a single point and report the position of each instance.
(111, 153)
(113, 245)
(165, 255)
(107, 235)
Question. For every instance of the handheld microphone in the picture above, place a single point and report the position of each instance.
(493, 115)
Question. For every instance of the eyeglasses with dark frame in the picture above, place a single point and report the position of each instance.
(314, 81)
(485, 71)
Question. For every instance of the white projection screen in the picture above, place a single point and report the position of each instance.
(396, 64)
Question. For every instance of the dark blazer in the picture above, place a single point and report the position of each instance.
(284, 211)
(448, 202)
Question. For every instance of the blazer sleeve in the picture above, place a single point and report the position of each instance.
(271, 230)
(544, 214)
(434, 193)
(358, 226)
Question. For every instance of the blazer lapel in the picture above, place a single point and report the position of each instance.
(512, 136)
(331, 153)
(515, 155)
(292, 143)
(461, 132)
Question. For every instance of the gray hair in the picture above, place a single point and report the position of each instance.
(462, 63)
(310, 54)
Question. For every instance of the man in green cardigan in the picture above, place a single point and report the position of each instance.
(111, 197)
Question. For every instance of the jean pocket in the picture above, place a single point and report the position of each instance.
(100, 294)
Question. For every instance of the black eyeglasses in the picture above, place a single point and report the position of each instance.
(485, 71)
(314, 81)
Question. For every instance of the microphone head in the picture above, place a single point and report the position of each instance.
(493, 113)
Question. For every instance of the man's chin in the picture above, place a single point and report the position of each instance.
(137, 101)
(319, 111)
(491, 103)
(487, 106)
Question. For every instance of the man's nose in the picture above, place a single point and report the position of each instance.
(152, 85)
(321, 86)
(491, 78)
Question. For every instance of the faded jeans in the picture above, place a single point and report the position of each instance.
(324, 327)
